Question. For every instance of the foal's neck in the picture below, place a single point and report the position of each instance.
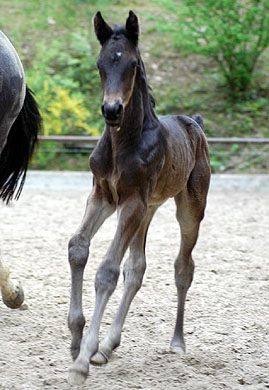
(139, 114)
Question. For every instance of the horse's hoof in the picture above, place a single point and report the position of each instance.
(99, 358)
(17, 301)
(76, 378)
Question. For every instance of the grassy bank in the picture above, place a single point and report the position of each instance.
(57, 46)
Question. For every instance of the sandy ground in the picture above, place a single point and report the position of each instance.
(226, 321)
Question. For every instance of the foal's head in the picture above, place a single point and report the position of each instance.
(117, 63)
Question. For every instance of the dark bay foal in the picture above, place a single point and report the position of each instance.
(140, 161)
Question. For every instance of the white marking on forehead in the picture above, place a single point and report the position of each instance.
(119, 53)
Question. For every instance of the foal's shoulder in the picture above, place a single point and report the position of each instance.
(101, 157)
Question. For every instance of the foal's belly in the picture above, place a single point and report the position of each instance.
(169, 184)
(178, 165)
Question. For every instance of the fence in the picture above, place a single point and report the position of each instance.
(93, 140)
(227, 154)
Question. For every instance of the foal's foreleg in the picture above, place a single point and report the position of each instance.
(133, 272)
(131, 214)
(97, 210)
(12, 296)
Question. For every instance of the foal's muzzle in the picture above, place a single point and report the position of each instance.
(112, 113)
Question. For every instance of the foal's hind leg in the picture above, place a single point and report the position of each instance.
(133, 272)
(190, 212)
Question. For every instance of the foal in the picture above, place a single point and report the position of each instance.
(140, 161)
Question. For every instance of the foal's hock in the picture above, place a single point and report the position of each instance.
(140, 161)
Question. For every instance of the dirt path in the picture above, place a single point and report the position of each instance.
(226, 322)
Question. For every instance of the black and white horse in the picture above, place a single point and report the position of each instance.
(19, 124)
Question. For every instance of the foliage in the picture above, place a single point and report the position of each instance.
(54, 156)
(65, 80)
(44, 155)
(235, 158)
(232, 32)
(64, 113)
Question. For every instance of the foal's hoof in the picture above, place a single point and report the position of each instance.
(76, 378)
(178, 347)
(17, 301)
(99, 358)
(78, 373)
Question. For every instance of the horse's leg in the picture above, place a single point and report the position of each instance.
(97, 210)
(130, 216)
(190, 211)
(133, 272)
(12, 296)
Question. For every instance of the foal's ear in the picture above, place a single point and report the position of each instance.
(132, 28)
(102, 30)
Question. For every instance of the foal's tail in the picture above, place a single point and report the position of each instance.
(19, 148)
(198, 119)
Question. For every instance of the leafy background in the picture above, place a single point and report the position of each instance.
(190, 49)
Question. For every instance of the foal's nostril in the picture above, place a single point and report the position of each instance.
(112, 112)
(119, 110)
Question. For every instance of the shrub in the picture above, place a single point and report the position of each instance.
(65, 79)
(64, 113)
(232, 32)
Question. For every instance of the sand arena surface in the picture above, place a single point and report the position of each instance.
(226, 318)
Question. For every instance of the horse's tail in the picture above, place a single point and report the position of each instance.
(198, 119)
(19, 148)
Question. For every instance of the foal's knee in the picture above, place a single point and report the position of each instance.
(78, 251)
(107, 277)
(133, 276)
(76, 321)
